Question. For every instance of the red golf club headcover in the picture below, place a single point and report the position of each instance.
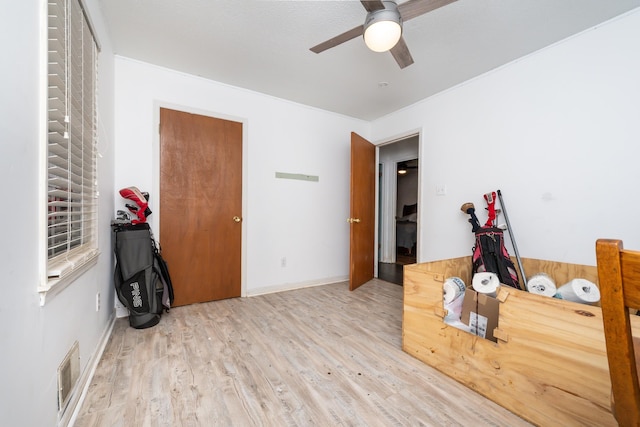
(491, 206)
(135, 195)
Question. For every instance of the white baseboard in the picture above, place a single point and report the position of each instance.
(71, 412)
(293, 286)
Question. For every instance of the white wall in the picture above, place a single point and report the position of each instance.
(557, 131)
(35, 339)
(304, 222)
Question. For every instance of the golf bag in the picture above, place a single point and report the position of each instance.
(490, 254)
(141, 276)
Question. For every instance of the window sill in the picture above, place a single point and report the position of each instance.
(57, 284)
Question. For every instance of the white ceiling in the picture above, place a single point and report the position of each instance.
(263, 45)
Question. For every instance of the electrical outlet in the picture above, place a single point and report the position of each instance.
(441, 190)
(98, 301)
(283, 262)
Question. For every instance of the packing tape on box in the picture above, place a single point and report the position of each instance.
(452, 289)
(541, 284)
(579, 290)
(486, 283)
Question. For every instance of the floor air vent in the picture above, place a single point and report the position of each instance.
(68, 374)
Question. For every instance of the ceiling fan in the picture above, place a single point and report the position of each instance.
(403, 167)
(389, 14)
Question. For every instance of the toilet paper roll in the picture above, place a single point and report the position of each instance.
(486, 283)
(452, 289)
(541, 284)
(579, 290)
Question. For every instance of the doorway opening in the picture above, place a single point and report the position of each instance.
(407, 212)
(398, 241)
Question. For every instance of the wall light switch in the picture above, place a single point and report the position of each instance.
(441, 190)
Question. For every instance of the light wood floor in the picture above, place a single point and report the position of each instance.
(321, 356)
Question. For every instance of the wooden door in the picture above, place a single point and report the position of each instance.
(363, 179)
(201, 205)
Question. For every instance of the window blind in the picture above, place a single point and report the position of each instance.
(71, 144)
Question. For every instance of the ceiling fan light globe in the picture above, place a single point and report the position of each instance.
(383, 27)
(382, 35)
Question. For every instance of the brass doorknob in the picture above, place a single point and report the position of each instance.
(352, 220)
(237, 219)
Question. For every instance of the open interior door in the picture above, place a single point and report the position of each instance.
(363, 182)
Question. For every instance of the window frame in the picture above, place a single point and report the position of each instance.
(69, 212)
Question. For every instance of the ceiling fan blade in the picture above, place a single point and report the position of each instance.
(414, 8)
(401, 54)
(372, 5)
(339, 39)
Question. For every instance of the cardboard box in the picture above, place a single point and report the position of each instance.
(481, 313)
